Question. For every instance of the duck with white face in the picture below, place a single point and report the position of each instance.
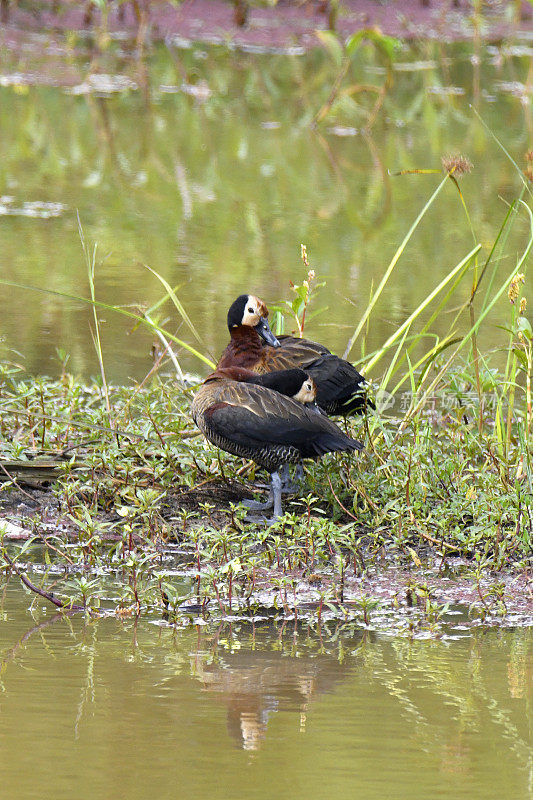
(294, 383)
(257, 422)
(340, 388)
(249, 314)
(306, 394)
(298, 385)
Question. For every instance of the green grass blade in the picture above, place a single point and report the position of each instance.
(177, 303)
(152, 326)
(423, 305)
(391, 266)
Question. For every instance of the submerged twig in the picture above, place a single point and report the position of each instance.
(41, 592)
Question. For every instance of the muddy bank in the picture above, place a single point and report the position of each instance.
(423, 593)
(291, 25)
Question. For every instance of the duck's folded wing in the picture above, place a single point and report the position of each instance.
(253, 416)
(340, 387)
(292, 352)
(338, 383)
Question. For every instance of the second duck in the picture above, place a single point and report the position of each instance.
(340, 388)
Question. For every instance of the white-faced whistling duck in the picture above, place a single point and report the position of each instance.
(340, 388)
(257, 422)
(295, 383)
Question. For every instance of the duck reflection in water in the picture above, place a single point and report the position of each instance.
(254, 684)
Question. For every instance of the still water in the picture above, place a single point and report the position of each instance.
(204, 165)
(118, 709)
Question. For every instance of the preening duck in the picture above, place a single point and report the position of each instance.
(340, 388)
(259, 423)
(295, 383)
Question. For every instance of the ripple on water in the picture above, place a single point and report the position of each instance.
(30, 208)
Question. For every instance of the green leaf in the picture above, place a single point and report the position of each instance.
(297, 306)
(353, 43)
(521, 356)
(524, 326)
(389, 44)
(331, 42)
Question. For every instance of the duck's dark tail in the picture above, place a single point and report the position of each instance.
(340, 388)
(330, 442)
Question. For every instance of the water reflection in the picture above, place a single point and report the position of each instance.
(337, 708)
(255, 681)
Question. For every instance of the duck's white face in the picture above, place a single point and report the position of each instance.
(254, 311)
(307, 392)
(248, 311)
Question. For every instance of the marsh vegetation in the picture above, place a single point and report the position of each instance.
(369, 165)
(379, 633)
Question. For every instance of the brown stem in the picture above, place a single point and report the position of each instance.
(47, 595)
(334, 91)
(338, 501)
(14, 482)
(34, 629)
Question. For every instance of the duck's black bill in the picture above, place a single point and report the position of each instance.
(263, 329)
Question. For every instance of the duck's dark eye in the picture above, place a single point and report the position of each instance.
(250, 311)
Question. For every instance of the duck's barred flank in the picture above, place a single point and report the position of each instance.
(256, 422)
(268, 457)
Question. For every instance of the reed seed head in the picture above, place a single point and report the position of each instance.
(523, 305)
(514, 287)
(456, 165)
(528, 172)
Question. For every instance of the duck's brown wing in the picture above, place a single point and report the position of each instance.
(292, 352)
(253, 416)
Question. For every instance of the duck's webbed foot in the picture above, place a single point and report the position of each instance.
(256, 505)
(273, 501)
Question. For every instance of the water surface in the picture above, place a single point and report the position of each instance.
(117, 708)
(203, 164)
